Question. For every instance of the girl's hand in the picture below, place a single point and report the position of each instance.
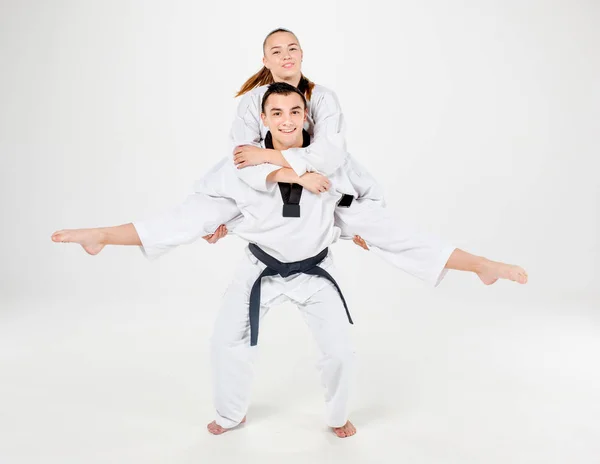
(313, 182)
(249, 155)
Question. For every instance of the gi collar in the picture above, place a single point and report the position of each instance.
(305, 139)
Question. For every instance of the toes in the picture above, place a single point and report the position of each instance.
(214, 428)
(345, 431)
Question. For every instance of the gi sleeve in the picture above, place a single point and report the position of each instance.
(245, 130)
(327, 151)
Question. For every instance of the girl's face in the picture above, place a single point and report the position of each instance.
(283, 57)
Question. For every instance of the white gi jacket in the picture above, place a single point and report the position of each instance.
(326, 153)
(387, 236)
(220, 196)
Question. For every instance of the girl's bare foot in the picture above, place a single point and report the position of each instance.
(89, 239)
(491, 271)
(344, 431)
(216, 429)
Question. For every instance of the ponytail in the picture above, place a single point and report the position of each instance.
(306, 86)
(264, 77)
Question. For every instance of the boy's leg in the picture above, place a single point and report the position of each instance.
(232, 357)
(326, 317)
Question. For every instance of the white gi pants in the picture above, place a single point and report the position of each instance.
(419, 254)
(232, 357)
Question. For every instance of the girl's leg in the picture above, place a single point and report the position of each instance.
(419, 254)
(487, 270)
(94, 240)
(198, 215)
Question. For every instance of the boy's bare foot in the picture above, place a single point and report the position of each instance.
(491, 271)
(216, 429)
(89, 239)
(344, 431)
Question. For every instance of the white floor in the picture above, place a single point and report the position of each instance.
(441, 380)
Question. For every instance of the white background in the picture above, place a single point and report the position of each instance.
(481, 120)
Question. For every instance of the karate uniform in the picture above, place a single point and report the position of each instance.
(221, 196)
(251, 208)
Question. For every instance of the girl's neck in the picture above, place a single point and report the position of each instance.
(295, 80)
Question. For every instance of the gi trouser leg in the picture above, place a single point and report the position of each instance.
(325, 315)
(232, 357)
(421, 255)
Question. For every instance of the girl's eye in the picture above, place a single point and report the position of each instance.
(295, 112)
(276, 114)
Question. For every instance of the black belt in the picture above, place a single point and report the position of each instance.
(276, 267)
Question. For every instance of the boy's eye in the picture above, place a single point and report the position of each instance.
(275, 52)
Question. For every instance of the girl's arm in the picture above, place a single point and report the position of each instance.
(326, 153)
(311, 181)
(246, 131)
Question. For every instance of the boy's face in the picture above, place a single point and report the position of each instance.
(284, 116)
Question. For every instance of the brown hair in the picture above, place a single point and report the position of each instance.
(281, 88)
(264, 76)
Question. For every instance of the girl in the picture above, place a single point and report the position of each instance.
(367, 221)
